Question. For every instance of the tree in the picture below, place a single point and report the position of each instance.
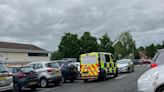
(120, 50)
(128, 43)
(141, 48)
(88, 43)
(106, 44)
(56, 55)
(70, 45)
(150, 50)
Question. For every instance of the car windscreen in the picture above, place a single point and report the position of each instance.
(122, 61)
(3, 69)
(26, 69)
(159, 58)
(52, 65)
(88, 60)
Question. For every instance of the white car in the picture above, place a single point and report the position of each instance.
(125, 65)
(153, 79)
(48, 72)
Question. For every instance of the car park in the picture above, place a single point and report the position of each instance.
(24, 77)
(48, 72)
(125, 65)
(69, 70)
(6, 79)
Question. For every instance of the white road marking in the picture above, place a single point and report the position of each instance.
(120, 77)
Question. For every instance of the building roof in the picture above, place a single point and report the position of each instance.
(18, 47)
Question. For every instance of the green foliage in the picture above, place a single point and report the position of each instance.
(141, 48)
(56, 55)
(150, 50)
(106, 44)
(70, 45)
(120, 50)
(88, 43)
(127, 41)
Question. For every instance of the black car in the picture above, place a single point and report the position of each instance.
(69, 71)
(24, 77)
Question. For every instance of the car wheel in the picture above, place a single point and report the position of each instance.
(63, 80)
(86, 80)
(129, 69)
(43, 82)
(72, 80)
(161, 89)
(16, 88)
(57, 83)
(116, 74)
(133, 69)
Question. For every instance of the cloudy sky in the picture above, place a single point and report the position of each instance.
(43, 22)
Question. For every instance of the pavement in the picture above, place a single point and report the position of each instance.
(125, 82)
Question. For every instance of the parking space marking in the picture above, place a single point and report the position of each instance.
(120, 77)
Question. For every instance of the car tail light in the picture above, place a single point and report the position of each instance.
(21, 75)
(50, 70)
(154, 65)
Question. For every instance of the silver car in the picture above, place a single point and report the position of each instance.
(48, 72)
(125, 65)
(6, 79)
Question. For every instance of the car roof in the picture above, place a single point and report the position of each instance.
(42, 62)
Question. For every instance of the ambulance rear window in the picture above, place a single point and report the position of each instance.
(88, 60)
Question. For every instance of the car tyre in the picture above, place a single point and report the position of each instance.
(86, 80)
(72, 80)
(16, 88)
(116, 74)
(161, 89)
(57, 83)
(43, 82)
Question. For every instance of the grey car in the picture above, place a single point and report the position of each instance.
(6, 79)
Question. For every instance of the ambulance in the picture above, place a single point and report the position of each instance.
(97, 65)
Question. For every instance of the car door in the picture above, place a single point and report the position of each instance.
(38, 67)
(5, 77)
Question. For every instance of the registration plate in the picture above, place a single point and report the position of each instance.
(2, 78)
(32, 83)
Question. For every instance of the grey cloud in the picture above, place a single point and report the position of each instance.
(43, 22)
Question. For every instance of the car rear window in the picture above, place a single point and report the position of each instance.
(26, 69)
(52, 65)
(3, 69)
(159, 58)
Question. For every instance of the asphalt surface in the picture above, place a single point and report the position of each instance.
(125, 82)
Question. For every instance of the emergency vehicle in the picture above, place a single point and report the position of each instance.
(97, 65)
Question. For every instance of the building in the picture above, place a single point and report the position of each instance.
(16, 53)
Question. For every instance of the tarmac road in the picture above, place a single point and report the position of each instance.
(126, 82)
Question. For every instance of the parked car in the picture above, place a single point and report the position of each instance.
(48, 72)
(147, 61)
(136, 61)
(6, 79)
(125, 65)
(158, 59)
(69, 71)
(153, 79)
(24, 77)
